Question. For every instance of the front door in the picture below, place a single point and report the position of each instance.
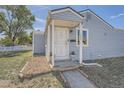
(61, 43)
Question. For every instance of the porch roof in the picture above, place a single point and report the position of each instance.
(66, 13)
(65, 17)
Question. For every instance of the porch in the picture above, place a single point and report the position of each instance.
(59, 23)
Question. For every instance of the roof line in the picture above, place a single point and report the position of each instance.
(59, 9)
(97, 16)
(66, 8)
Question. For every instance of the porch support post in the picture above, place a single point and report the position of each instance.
(53, 29)
(81, 44)
(48, 43)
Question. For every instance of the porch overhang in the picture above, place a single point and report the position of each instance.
(66, 17)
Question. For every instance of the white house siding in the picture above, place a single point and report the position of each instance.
(104, 42)
(38, 43)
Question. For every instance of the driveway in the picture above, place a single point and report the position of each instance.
(77, 80)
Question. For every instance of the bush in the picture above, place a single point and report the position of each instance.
(6, 41)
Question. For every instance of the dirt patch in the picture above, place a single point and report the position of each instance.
(36, 65)
(110, 75)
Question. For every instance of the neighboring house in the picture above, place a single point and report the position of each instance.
(80, 36)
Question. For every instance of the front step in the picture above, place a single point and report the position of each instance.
(66, 68)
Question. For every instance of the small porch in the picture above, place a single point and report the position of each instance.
(57, 44)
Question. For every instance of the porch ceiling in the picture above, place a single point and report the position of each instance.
(64, 23)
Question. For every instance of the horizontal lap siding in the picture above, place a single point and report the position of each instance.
(103, 41)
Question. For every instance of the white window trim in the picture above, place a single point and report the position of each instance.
(83, 29)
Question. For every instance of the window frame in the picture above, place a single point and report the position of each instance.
(77, 37)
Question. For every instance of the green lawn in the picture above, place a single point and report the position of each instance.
(110, 75)
(10, 65)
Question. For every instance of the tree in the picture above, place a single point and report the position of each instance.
(15, 21)
(2, 22)
(6, 41)
(24, 38)
(30, 38)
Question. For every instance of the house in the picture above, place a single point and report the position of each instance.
(79, 36)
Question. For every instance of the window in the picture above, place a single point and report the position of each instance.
(84, 37)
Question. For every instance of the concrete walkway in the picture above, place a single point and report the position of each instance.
(77, 80)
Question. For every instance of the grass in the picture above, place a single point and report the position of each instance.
(10, 65)
(111, 75)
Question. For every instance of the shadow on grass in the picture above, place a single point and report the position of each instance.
(11, 53)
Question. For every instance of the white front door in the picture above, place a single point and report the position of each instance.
(61, 43)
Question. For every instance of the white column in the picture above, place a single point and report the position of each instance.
(48, 43)
(53, 29)
(81, 45)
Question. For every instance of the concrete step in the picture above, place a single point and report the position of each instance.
(66, 68)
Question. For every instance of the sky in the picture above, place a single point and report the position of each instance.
(111, 14)
(114, 15)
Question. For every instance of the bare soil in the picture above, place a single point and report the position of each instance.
(111, 75)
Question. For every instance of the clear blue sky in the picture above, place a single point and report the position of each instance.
(112, 14)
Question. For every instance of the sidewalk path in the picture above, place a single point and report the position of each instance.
(77, 80)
